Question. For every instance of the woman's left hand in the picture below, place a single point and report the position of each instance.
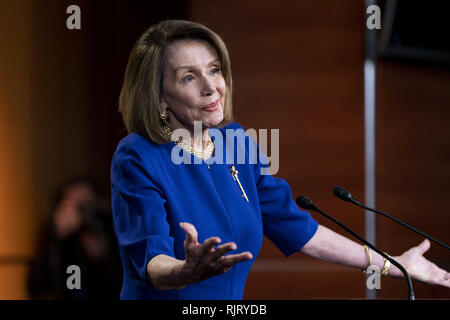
(419, 268)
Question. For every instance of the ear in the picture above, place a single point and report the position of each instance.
(162, 104)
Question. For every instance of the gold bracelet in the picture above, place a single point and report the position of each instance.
(386, 266)
(369, 254)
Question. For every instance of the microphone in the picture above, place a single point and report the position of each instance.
(306, 203)
(343, 194)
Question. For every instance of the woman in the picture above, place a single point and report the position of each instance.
(193, 230)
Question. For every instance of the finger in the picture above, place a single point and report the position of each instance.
(423, 247)
(446, 280)
(191, 232)
(209, 243)
(223, 249)
(233, 259)
(443, 279)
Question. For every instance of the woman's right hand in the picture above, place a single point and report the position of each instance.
(202, 261)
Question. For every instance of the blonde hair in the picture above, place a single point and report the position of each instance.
(143, 83)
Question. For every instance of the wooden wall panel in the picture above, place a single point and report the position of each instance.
(59, 107)
(13, 280)
(43, 126)
(16, 201)
(297, 67)
(58, 100)
(413, 162)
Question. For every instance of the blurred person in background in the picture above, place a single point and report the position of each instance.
(79, 232)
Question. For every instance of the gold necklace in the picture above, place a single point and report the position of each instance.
(204, 154)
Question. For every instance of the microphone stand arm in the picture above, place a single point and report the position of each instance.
(354, 201)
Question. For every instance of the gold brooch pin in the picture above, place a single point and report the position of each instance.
(234, 173)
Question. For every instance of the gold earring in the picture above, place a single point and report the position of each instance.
(164, 114)
(167, 131)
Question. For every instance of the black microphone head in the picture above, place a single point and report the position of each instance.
(342, 194)
(305, 203)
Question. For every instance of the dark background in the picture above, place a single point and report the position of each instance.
(297, 66)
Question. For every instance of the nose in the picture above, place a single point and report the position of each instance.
(208, 87)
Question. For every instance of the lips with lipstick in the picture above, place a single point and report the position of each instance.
(212, 106)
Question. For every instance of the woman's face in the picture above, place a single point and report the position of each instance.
(194, 88)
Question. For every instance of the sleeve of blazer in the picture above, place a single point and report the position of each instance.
(138, 211)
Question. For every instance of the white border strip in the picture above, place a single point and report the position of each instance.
(369, 146)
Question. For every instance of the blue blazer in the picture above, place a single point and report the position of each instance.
(152, 193)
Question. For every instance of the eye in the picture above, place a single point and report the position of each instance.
(188, 78)
(215, 70)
